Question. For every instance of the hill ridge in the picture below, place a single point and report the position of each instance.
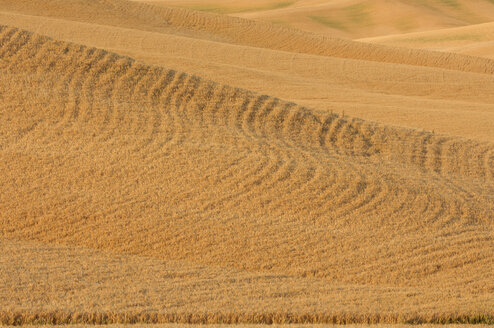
(245, 32)
(332, 126)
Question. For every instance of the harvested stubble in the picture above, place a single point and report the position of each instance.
(233, 30)
(191, 201)
(420, 89)
(60, 318)
(178, 325)
(352, 19)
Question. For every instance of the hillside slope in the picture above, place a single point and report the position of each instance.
(418, 89)
(351, 18)
(475, 40)
(263, 209)
(225, 29)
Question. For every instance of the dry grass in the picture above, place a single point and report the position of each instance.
(165, 197)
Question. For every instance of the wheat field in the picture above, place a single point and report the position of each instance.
(440, 92)
(350, 18)
(475, 40)
(167, 165)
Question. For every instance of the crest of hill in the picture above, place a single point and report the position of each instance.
(451, 102)
(104, 153)
(351, 18)
(235, 30)
(474, 40)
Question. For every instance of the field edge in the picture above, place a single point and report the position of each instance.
(20, 318)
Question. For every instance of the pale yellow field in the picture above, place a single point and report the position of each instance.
(161, 165)
(361, 80)
(350, 18)
(459, 26)
(475, 40)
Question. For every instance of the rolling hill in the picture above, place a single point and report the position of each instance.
(162, 165)
(474, 40)
(439, 92)
(165, 166)
(351, 19)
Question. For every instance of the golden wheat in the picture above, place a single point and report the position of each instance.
(166, 197)
(471, 40)
(449, 101)
(236, 319)
(234, 30)
(350, 19)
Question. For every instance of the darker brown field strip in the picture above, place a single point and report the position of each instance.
(61, 318)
